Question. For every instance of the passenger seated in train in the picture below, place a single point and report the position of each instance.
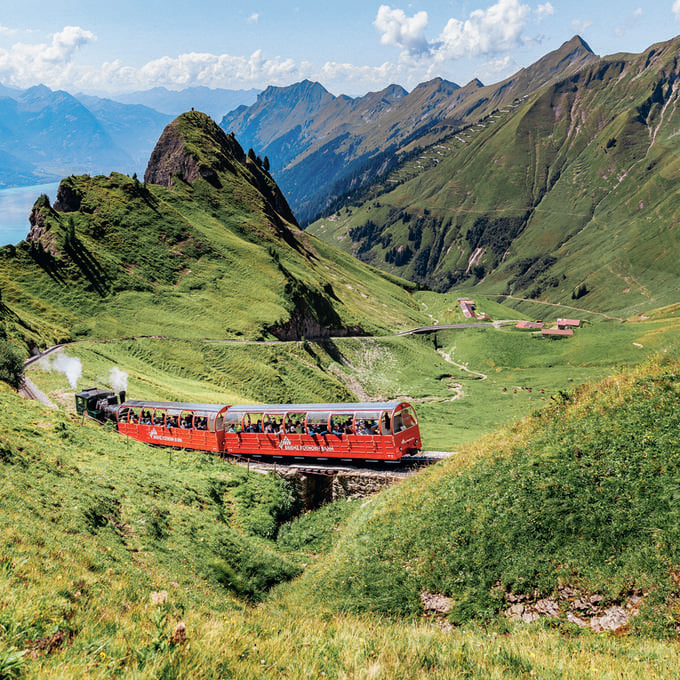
(201, 423)
(336, 428)
(146, 418)
(172, 422)
(186, 422)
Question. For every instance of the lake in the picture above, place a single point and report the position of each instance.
(15, 207)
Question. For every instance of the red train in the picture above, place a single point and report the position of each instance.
(387, 430)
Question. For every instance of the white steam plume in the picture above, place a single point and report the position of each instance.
(118, 379)
(71, 367)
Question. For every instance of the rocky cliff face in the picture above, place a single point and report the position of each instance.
(194, 147)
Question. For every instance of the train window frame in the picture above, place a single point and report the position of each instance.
(279, 416)
(364, 416)
(317, 419)
(296, 421)
(397, 419)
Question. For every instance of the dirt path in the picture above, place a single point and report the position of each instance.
(447, 357)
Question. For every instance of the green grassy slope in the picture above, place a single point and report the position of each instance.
(118, 559)
(531, 203)
(214, 257)
(583, 495)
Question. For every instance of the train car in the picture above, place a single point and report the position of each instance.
(387, 430)
(170, 423)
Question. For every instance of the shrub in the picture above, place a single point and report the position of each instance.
(11, 364)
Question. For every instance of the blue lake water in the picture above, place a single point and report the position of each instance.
(15, 207)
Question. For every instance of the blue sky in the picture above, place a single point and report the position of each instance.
(351, 47)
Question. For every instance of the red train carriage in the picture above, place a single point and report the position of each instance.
(387, 430)
(169, 423)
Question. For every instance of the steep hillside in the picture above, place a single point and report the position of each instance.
(118, 559)
(565, 195)
(320, 146)
(570, 515)
(206, 247)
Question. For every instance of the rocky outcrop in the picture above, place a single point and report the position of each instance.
(583, 610)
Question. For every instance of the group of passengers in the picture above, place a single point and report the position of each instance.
(335, 427)
(187, 421)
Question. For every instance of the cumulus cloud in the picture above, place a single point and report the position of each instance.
(485, 32)
(24, 64)
(543, 11)
(676, 9)
(407, 33)
(253, 18)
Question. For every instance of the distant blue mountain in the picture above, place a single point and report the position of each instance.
(51, 134)
(46, 135)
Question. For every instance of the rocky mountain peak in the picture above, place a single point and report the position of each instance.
(192, 146)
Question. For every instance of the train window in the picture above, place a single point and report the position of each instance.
(133, 415)
(252, 422)
(271, 422)
(159, 417)
(294, 423)
(217, 423)
(385, 423)
(232, 422)
(186, 420)
(367, 422)
(317, 423)
(124, 414)
(404, 418)
(172, 417)
(341, 423)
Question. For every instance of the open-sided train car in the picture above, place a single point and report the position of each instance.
(370, 430)
(387, 430)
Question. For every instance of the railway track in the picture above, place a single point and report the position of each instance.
(321, 466)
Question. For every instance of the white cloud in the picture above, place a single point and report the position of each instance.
(543, 11)
(486, 32)
(676, 9)
(396, 28)
(253, 18)
(26, 64)
(7, 31)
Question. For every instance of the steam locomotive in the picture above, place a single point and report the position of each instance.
(368, 430)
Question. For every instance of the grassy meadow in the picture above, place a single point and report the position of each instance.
(121, 560)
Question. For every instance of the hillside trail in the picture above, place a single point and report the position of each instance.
(462, 367)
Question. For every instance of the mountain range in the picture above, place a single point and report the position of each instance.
(320, 145)
(46, 135)
(567, 194)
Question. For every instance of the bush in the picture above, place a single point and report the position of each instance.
(11, 364)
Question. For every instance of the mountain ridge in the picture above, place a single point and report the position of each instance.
(527, 201)
(347, 134)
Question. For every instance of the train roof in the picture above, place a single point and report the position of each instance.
(299, 408)
(267, 408)
(174, 405)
